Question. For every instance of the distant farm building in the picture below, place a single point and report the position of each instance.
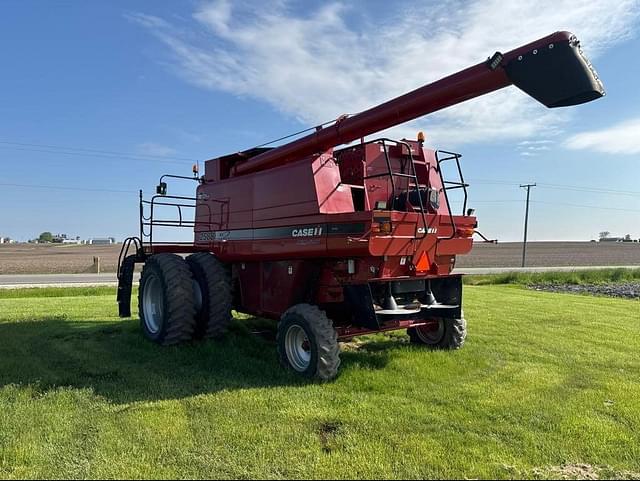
(101, 241)
(612, 239)
(65, 239)
(59, 238)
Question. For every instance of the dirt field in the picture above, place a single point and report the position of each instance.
(56, 258)
(50, 259)
(552, 254)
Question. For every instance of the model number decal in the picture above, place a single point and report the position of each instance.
(206, 236)
(212, 236)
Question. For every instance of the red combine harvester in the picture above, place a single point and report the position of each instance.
(334, 243)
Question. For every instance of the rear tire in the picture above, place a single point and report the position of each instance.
(308, 343)
(165, 300)
(213, 278)
(450, 334)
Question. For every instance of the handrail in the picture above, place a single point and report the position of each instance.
(391, 174)
(124, 251)
(457, 185)
(164, 200)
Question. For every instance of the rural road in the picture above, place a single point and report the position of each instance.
(10, 281)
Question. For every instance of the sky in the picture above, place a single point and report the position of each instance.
(98, 99)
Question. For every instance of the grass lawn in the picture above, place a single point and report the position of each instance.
(613, 275)
(545, 380)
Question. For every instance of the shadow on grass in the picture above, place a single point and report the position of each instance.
(114, 361)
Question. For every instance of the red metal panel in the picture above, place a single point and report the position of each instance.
(291, 187)
(332, 196)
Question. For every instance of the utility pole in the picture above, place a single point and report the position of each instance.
(526, 222)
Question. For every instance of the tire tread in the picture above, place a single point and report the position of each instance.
(220, 294)
(328, 362)
(455, 333)
(180, 310)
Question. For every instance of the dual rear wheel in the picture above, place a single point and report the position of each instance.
(181, 300)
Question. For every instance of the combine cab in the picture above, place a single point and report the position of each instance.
(334, 242)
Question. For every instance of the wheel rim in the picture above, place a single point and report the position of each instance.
(430, 334)
(298, 348)
(153, 304)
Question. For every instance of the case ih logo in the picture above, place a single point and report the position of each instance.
(307, 232)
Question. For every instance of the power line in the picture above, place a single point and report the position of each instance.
(585, 206)
(559, 187)
(66, 150)
(85, 155)
(505, 201)
(98, 151)
(495, 201)
(480, 201)
(59, 187)
(110, 154)
(594, 190)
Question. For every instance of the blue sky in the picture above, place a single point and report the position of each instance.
(167, 82)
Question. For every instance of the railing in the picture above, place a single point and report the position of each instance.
(391, 174)
(124, 251)
(450, 185)
(184, 205)
(447, 185)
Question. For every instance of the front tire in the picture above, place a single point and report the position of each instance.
(308, 343)
(449, 334)
(165, 300)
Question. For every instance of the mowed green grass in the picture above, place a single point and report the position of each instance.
(544, 379)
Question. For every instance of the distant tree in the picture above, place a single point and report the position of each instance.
(627, 238)
(45, 237)
(604, 235)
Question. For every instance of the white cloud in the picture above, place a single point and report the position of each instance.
(622, 138)
(531, 148)
(154, 150)
(317, 65)
(535, 142)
